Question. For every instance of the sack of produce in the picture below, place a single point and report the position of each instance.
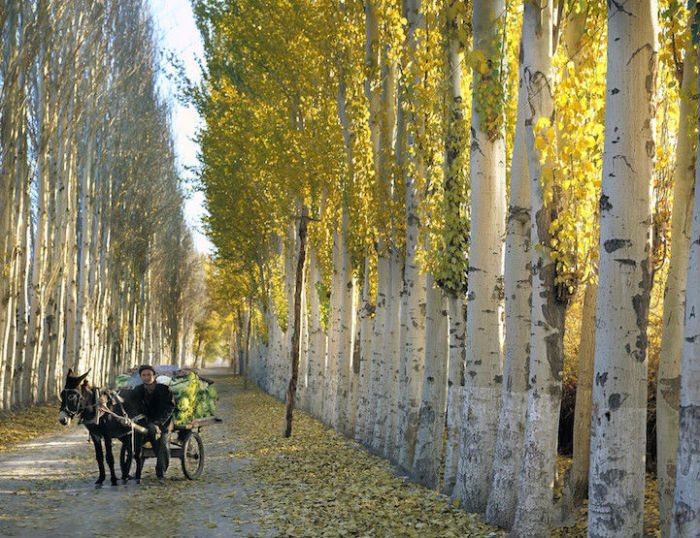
(195, 398)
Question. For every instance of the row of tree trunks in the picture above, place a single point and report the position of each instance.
(503, 423)
(80, 223)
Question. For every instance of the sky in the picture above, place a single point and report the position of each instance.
(177, 33)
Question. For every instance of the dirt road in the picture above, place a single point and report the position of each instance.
(47, 489)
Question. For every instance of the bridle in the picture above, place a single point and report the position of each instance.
(71, 400)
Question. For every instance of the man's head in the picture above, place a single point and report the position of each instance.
(147, 373)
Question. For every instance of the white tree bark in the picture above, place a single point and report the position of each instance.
(415, 290)
(618, 425)
(457, 309)
(538, 459)
(685, 521)
(484, 349)
(500, 509)
(393, 347)
(431, 418)
(365, 321)
(346, 331)
(670, 359)
(314, 392)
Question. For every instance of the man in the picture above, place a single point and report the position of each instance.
(157, 402)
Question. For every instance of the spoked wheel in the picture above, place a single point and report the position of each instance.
(192, 456)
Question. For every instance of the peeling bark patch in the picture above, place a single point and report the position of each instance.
(683, 514)
(619, 7)
(688, 447)
(670, 389)
(612, 477)
(611, 245)
(640, 303)
(601, 379)
(616, 400)
(651, 148)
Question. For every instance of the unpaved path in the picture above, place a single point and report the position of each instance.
(47, 488)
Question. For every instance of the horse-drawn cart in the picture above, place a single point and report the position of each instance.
(185, 444)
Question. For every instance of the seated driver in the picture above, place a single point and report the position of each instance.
(158, 404)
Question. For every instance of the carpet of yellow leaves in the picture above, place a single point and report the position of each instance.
(318, 483)
(27, 424)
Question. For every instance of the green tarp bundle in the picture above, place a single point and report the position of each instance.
(195, 398)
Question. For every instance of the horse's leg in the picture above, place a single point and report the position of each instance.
(99, 456)
(126, 464)
(138, 454)
(110, 459)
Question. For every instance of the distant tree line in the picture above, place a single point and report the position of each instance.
(97, 266)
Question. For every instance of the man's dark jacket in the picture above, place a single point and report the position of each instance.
(159, 407)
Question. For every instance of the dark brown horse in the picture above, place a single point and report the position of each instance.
(107, 416)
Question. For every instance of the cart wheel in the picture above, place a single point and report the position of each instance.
(192, 456)
(125, 460)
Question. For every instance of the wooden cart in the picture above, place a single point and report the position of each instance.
(185, 444)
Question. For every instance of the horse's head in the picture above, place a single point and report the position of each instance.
(72, 397)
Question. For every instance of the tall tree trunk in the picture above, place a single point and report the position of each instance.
(431, 418)
(385, 404)
(415, 286)
(670, 358)
(334, 313)
(618, 425)
(365, 321)
(576, 488)
(484, 359)
(685, 521)
(457, 235)
(316, 340)
(500, 509)
(538, 459)
(345, 331)
(296, 330)
(393, 347)
(455, 388)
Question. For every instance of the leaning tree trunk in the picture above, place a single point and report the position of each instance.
(618, 424)
(500, 508)
(670, 358)
(484, 359)
(296, 328)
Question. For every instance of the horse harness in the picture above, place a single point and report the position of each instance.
(71, 404)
